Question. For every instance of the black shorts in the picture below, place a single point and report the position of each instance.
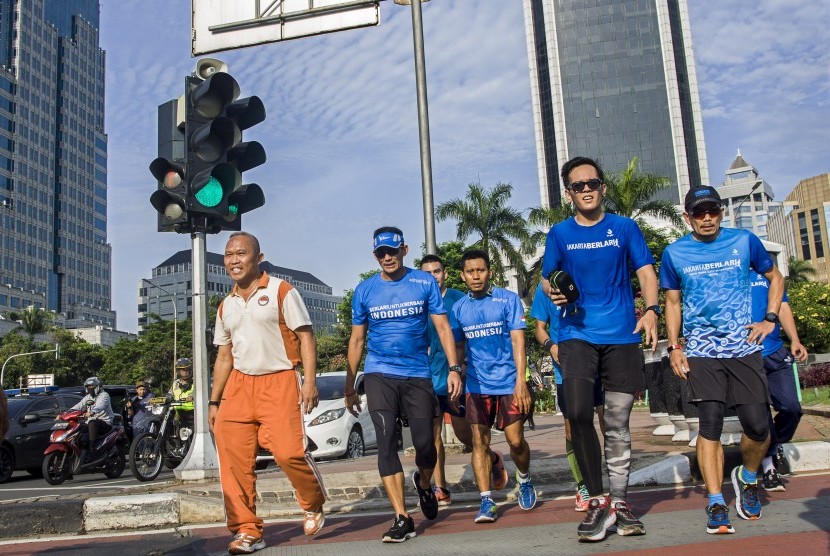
(620, 367)
(456, 409)
(411, 398)
(733, 381)
(599, 396)
(498, 411)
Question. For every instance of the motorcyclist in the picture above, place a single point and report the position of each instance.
(100, 413)
(183, 390)
(137, 408)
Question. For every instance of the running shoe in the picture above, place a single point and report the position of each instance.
(487, 511)
(780, 461)
(244, 543)
(746, 496)
(600, 519)
(313, 522)
(426, 497)
(582, 499)
(772, 481)
(403, 528)
(498, 471)
(443, 496)
(718, 523)
(527, 494)
(627, 522)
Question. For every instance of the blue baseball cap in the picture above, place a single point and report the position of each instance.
(388, 239)
(700, 194)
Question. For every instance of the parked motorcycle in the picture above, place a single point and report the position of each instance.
(166, 443)
(63, 455)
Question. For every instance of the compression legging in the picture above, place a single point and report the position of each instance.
(422, 439)
(618, 442)
(753, 417)
(580, 412)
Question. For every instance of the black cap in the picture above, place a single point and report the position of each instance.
(700, 194)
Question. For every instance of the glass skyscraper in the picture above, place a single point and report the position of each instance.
(614, 80)
(53, 162)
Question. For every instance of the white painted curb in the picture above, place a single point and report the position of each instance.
(131, 512)
(808, 456)
(670, 471)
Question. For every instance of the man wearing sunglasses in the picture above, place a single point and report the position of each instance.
(711, 269)
(600, 337)
(392, 307)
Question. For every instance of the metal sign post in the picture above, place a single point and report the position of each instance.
(201, 461)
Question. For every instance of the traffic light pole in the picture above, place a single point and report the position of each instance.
(201, 462)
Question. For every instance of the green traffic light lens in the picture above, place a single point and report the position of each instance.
(211, 194)
(233, 209)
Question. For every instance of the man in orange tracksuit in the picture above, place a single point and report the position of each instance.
(264, 333)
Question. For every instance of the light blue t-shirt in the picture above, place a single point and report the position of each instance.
(437, 358)
(543, 309)
(760, 296)
(715, 280)
(397, 313)
(600, 259)
(485, 323)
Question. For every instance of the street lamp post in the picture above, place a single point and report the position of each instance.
(3, 370)
(423, 124)
(175, 321)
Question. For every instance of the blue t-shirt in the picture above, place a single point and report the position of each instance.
(714, 278)
(760, 296)
(437, 358)
(600, 259)
(485, 323)
(543, 309)
(397, 313)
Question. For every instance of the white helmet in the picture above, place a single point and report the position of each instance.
(94, 383)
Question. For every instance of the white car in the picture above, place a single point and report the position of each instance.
(335, 431)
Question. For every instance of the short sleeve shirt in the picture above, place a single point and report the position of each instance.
(485, 324)
(437, 358)
(714, 279)
(543, 309)
(760, 296)
(396, 312)
(260, 343)
(599, 259)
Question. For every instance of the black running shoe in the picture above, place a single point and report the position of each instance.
(627, 522)
(403, 528)
(772, 481)
(600, 519)
(426, 497)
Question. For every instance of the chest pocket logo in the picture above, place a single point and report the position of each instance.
(263, 301)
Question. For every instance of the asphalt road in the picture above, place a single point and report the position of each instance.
(793, 522)
(22, 485)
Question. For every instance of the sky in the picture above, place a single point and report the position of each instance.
(341, 131)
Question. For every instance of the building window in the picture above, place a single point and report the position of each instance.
(814, 220)
(804, 236)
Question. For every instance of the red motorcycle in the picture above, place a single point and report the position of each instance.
(63, 455)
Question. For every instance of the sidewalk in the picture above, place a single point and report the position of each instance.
(354, 485)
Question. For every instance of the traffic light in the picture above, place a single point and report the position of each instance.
(216, 154)
(170, 200)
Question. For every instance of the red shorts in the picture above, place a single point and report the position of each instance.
(498, 411)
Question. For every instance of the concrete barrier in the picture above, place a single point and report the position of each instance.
(131, 512)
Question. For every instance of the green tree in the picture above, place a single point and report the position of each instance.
(78, 359)
(799, 271)
(33, 321)
(810, 302)
(542, 219)
(450, 252)
(484, 213)
(632, 194)
(15, 343)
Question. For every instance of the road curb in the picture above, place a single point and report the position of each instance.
(672, 470)
(131, 512)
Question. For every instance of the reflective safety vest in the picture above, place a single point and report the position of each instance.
(180, 394)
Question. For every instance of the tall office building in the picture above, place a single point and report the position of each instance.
(53, 161)
(747, 198)
(614, 80)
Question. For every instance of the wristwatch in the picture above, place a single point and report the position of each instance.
(655, 308)
(548, 344)
(455, 369)
(673, 347)
(214, 403)
(771, 317)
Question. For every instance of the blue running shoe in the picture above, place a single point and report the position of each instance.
(487, 511)
(746, 496)
(527, 494)
(718, 523)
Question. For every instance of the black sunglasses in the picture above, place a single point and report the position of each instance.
(579, 186)
(701, 213)
(381, 252)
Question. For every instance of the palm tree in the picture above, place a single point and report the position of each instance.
(542, 219)
(799, 271)
(484, 213)
(630, 193)
(33, 321)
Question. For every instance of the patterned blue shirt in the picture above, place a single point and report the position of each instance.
(485, 323)
(396, 313)
(715, 280)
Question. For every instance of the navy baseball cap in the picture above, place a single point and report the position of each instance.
(388, 239)
(700, 194)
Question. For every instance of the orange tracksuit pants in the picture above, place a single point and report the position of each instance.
(262, 411)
